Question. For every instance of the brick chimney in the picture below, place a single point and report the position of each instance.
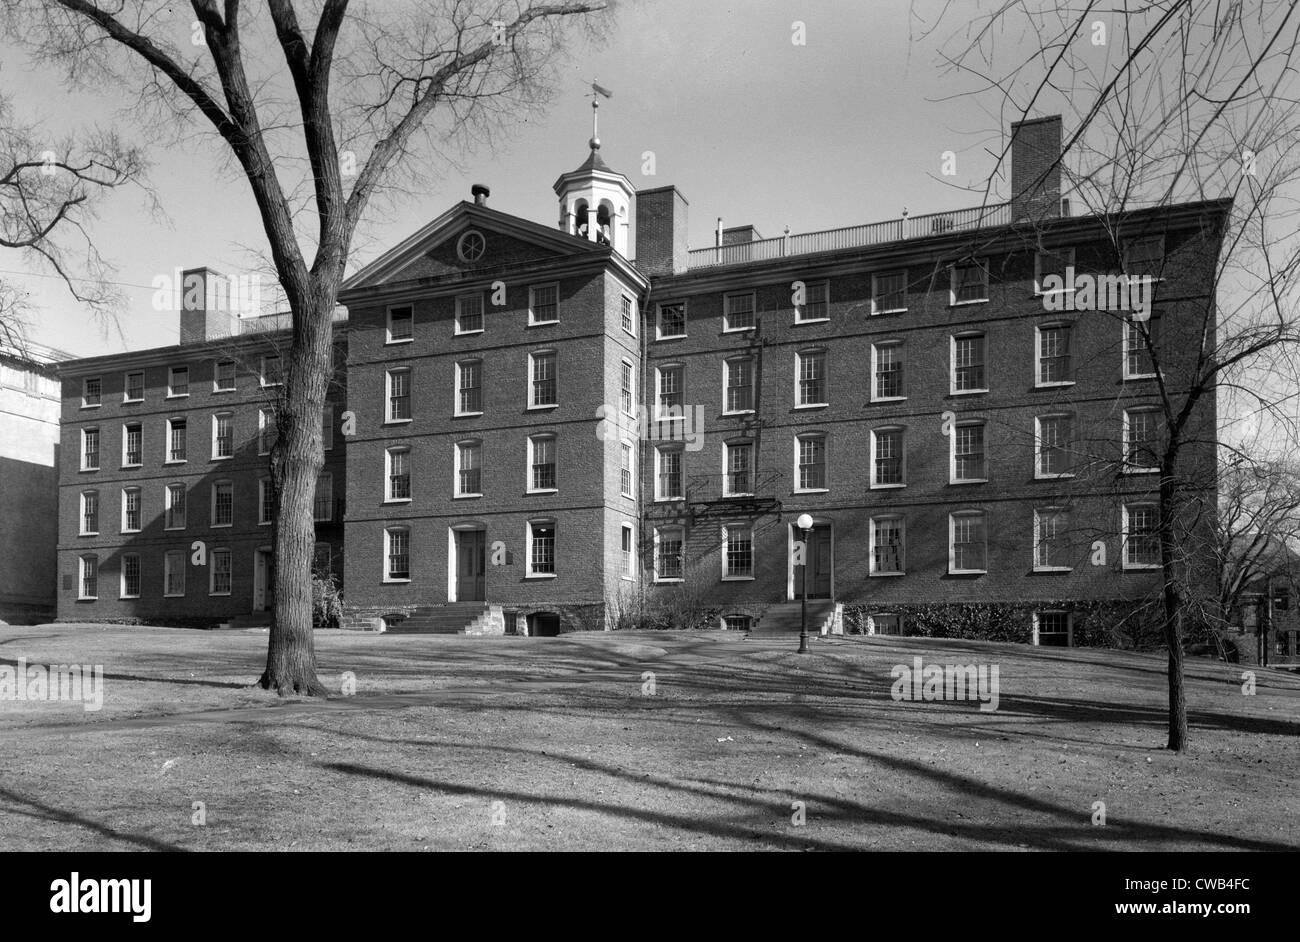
(1036, 169)
(204, 306)
(738, 234)
(661, 231)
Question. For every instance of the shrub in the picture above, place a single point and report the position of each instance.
(326, 601)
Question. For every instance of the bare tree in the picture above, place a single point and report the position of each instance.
(1259, 519)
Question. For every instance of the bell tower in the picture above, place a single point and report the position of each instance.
(595, 201)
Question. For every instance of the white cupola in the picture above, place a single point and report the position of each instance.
(595, 201)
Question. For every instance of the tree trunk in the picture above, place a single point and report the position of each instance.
(1172, 622)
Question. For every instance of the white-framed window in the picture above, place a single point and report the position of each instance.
(670, 400)
(323, 501)
(131, 510)
(178, 381)
(1140, 338)
(887, 371)
(738, 468)
(1053, 262)
(627, 547)
(889, 292)
(1145, 257)
(1052, 540)
(670, 320)
(1054, 446)
(133, 386)
(92, 392)
(737, 622)
(130, 587)
(175, 512)
(469, 387)
(265, 502)
(223, 503)
(469, 313)
(272, 370)
(887, 549)
(967, 542)
(1054, 629)
(397, 474)
(970, 283)
(88, 578)
(627, 388)
(174, 574)
(543, 387)
(627, 461)
(968, 364)
(90, 449)
(543, 304)
(627, 313)
(177, 430)
(737, 551)
(132, 445)
(668, 472)
(223, 436)
(969, 462)
(397, 554)
(220, 577)
(542, 470)
(1141, 441)
(89, 513)
(738, 385)
(1053, 366)
(401, 324)
(670, 547)
(327, 426)
(398, 388)
(810, 462)
(267, 432)
(738, 311)
(223, 376)
(1141, 536)
(816, 305)
(888, 457)
(541, 549)
(810, 379)
(885, 624)
(469, 468)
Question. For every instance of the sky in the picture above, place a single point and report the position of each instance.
(848, 127)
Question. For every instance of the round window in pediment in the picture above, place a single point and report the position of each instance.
(471, 246)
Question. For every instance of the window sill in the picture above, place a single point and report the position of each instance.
(670, 337)
(266, 385)
(132, 402)
(87, 598)
(467, 333)
(969, 481)
(93, 405)
(1139, 567)
(130, 533)
(543, 323)
(222, 457)
(811, 320)
(629, 578)
(1040, 293)
(454, 497)
(454, 415)
(397, 341)
(86, 470)
(389, 580)
(887, 487)
(880, 399)
(667, 500)
(96, 533)
(737, 578)
(669, 580)
(221, 526)
(891, 310)
(183, 395)
(541, 575)
(173, 529)
(738, 330)
(1137, 376)
(965, 303)
(812, 405)
(222, 595)
(746, 494)
(741, 412)
(398, 421)
(1053, 569)
(1054, 384)
(885, 575)
(132, 467)
(1039, 476)
(630, 333)
(128, 596)
(672, 418)
(264, 523)
(542, 490)
(541, 407)
(968, 572)
(1140, 471)
(173, 595)
(397, 500)
(215, 391)
(967, 392)
(175, 461)
(812, 490)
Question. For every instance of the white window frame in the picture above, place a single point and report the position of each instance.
(126, 426)
(1036, 542)
(983, 266)
(726, 467)
(99, 449)
(167, 444)
(660, 371)
(216, 376)
(529, 572)
(627, 535)
(212, 571)
(823, 285)
(1039, 473)
(81, 577)
(458, 329)
(533, 359)
(753, 381)
(799, 356)
(875, 368)
(1129, 326)
(168, 571)
(389, 452)
(634, 313)
(532, 304)
(554, 439)
(139, 496)
(459, 371)
(875, 292)
(1068, 254)
(952, 362)
(216, 424)
(727, 529)
(952, 452)
(875, 485)
(627, 393)
(126, 385)
(265, 419)
(952, 545)
(458, 467)
(1039, 382)
(121, 577)
(263, 486)
(1127, 465)
(167, 505)
(1128, 245)
(389, 375)
(824, 439)
(81, 513)
(261, 375)
(388, 324)
(727, 328)
(1069, 625)
(627, 451)
(680, 530)
(386, 560)
(85, 399)
(327, 426)
(171, 382)
(680, 451)
(1125, 510)
(325, 479)
(659, 320)
(212, 509)
(871, 546)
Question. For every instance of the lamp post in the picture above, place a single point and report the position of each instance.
(804, 523)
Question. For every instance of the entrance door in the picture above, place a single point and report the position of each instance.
(471, 563)
(263, 581)
(819, 565)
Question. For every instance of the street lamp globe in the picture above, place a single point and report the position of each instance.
(805, 522)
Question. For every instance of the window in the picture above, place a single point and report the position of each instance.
(323, 502)
(625, 469)
(627, 311)
(739, 465)
(1144, 258)
(174, 573)
(1051, 539)
(265, 502)
(970, 283)
(810, 367)
(131, 510)
(668, 473)
(1141, 440)
(272, 371)
(627, 389)
(469, 387)
(133, 389)
(739, 385)
(669, 545)
(671, 400)
(1141, 537)
(627, 544)
(815, 306)
(223, 435)
(889, 292)
(968, 363)
(176, 429)
(1054, 447)
(737, 622)
(223, 503)
(967, 546)
(1140, 339)
(544, 304)
(886, 371)
(175, 519)
(130, 576)
(544, 389)
(399, 395)
(541, 548)
(671, 320)
(737, 552)
(886, 537)
(327, 426)
(132, 446)
(810, 462)
(469, 314)
(738, 311)
(469, 469)
(884, 624)
(1053, 629)
(887, 457)
(401, 324)
(267, 432)
(1054, 355)
(398, 474)
(219, 570)
(541, 463)
(1055, 263)
(397, 554)
(968, 453)
(178, 381)
(89, 513)
(92, 392)
(89, 578)
(223, 376)
(90, 449)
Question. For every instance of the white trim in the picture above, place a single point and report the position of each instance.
(660, 369)
(659, 451)
(825, 285)
(824, 438)
(872, 571)
(129, 489)
(872, 483)
(216, 420)
(212, 501)
(456, 328)
(875, 279)
(81, 513)
(1125, 428)
(1069, 625)
(532, 294)
(167, 441)
(126, 435)
(680, 529)
(262, 372)
(659, 320)
(1039, 382)
(635, 313)
(167, 503)
(1124, 535)
(952, 451)
(952, 362)
(555, 378)
(126, 385)
(876, 346)
(121, 577)
(81, 577)
(753, 555)
(952, 546)
(458, 389)
(753, 382)
(799, 356)
(629, 568)
(726, 314)
(456, 492)
(1039, 473)
(216, 376)
(389, 339)
(171, 370)
(553, 523)
(1035, 540)
(726, 466)
(982, 264)
(385, 553)
(212, 571)
(1038, 271)
(554, 439)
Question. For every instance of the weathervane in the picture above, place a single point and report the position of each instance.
(597, 91)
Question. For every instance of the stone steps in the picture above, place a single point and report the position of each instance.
(785, 619)
(454, 618)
